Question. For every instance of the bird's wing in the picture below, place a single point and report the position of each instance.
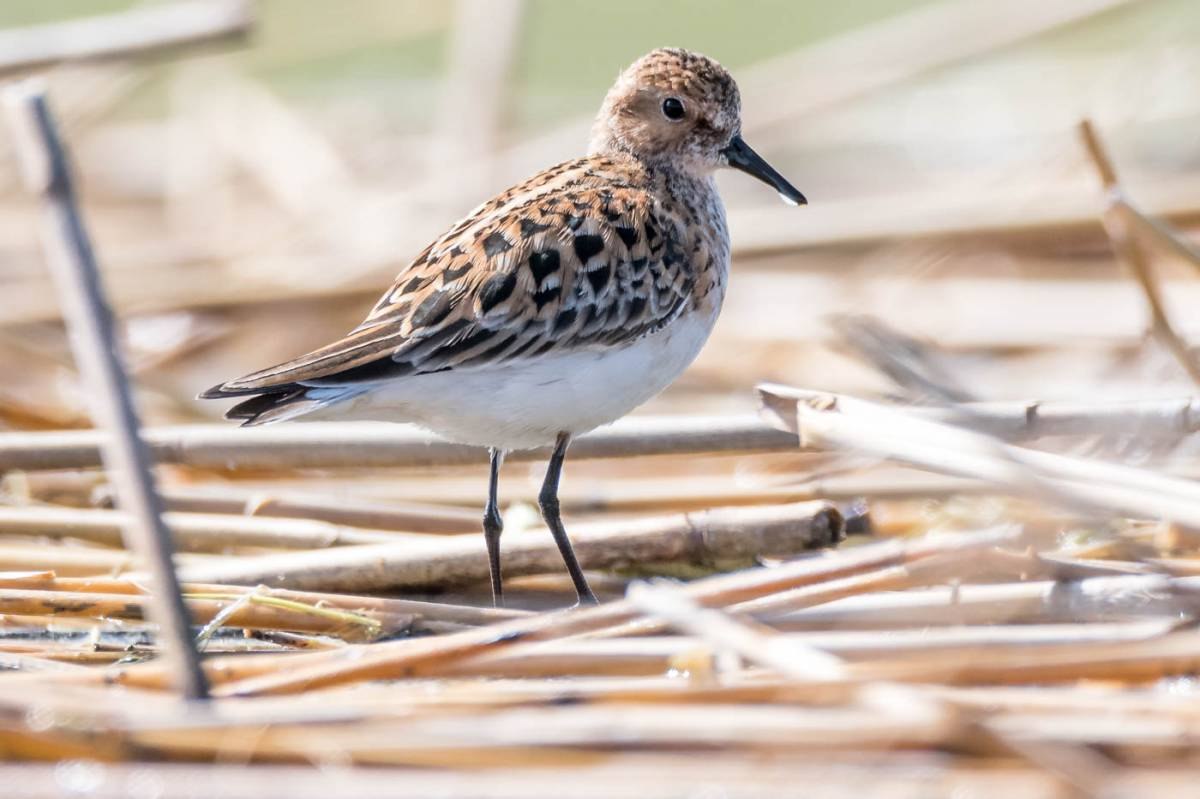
(577, 267)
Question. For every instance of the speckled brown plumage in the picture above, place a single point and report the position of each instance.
(588, 253)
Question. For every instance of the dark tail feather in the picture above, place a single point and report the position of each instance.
(287, 402)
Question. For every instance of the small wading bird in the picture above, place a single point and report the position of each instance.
(557, 306)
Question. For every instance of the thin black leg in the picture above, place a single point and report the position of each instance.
(548, 502)
(493, 525)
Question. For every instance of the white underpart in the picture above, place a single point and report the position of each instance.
(526, 404)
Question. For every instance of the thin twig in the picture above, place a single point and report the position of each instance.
(69, 253)
(706, 537)
(379, 444)
(1020, 421)
(1129, 250)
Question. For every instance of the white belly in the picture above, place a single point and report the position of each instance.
(527, 404)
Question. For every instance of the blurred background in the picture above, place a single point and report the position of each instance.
(250, 199)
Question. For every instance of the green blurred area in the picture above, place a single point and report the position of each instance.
(568, 54)
(389, 55)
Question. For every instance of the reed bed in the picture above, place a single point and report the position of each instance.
(923, 520)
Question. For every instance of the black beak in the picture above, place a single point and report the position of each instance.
(740, 156)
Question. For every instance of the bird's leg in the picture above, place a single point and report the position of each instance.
(493, 525)
(548, 502)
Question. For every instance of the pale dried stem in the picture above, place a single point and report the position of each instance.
(1019, 421)
(368, 445)
(195, 532)
(697, 539)
(1129, 250)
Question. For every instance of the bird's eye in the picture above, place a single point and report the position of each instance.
(673, 108)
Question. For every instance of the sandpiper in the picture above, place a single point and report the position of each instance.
(557, 306)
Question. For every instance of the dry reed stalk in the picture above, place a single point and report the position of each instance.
(135, 32)
(438, 611)
(1129, 661)
(699, 539)
(367, 445)
(67, 561)
(410, 517)
(1095, 599)
(885, 432)
(762, 646)
(1128, 248)
(17, 661)
(541, 735)
(195, 532)
(934, 569)
(1017, 421)
(655, 655)
(261, 612)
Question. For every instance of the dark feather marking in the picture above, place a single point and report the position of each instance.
(543, 264)
(433, 309)
(565, 320)
(454, 273)
(546, 295)
(466, 343)
(628, 235)
(587, 246)
(531, 228)
(496, 290)
(599, 278)
(636, 307)
(496, 244)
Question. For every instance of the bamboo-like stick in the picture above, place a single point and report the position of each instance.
(1019, 421)
(195, 532)
(656, 655)
(440, 611)
(1097, 599)
(882, 431)
(698, 538)
(1128, 248)
(762, 646)
(135, 32)
(371, 444)
(67, 561)
(1131, 661)
(44, 163)
(411, 517)
(271, 613)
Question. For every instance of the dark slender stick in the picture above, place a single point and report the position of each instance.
(89, 321)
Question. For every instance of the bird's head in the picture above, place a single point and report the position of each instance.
(681, 108)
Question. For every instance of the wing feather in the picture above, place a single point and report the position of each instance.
(590, 261)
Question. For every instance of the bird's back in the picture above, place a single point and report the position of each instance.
(589, 256)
